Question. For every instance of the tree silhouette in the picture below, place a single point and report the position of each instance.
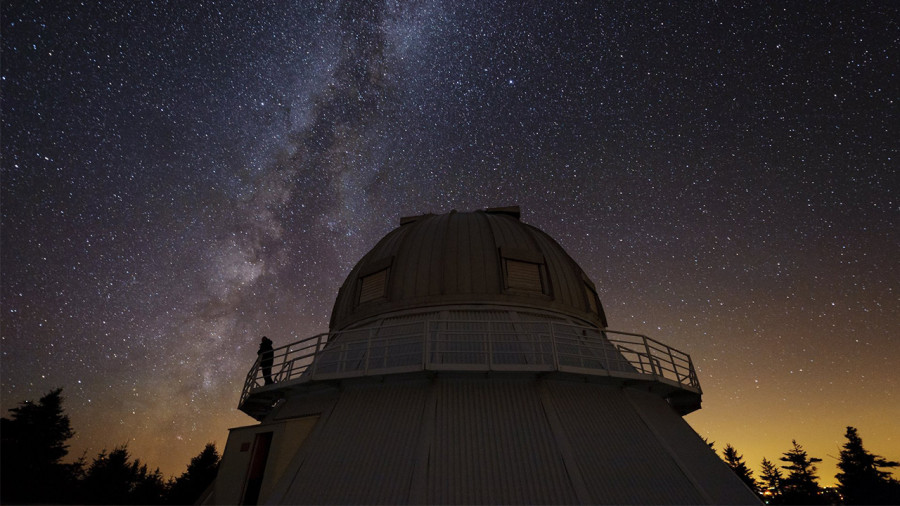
(201, 472)
(736, 462)
(114, 479)
(771, 479)
(33, 445)
(801, 484)
(860, 480)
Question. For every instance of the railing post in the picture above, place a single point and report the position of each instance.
(315, 363)
(649, 356)
(255, 371)
(674, 365)
(692, 374)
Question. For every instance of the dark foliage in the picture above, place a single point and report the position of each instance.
(114, 479)
(736, 462)
(201, 472)
(801, 485)
(861, 480)
(33, 445)
(771, 482)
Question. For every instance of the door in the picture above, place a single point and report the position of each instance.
(258, 458)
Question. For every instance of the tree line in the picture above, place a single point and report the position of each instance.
(33, 446)
(32, 449)
(863, 476)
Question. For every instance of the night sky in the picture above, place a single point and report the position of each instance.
(180, 178)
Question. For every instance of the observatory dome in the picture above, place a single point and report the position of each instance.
(474, 259)
(469, 362)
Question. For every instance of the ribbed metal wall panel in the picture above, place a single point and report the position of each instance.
(456, 250)
(563, 271)
(348, 293)
(424, 239)
(390, 245)
(487, 315)
(313, 404)
(493, 445)
(501, 439)
(365, 452)
(704, 466)
(524, 315)
(506, 236)
(408, 258)
(409, 319)
(486, 279)
(438, 257)
(455, 257)
(457, 313)
(620, 458)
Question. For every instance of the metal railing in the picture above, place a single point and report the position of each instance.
(442, 345)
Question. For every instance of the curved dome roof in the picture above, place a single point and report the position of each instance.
(481, 257)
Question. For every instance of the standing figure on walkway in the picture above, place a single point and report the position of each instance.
(266, 355)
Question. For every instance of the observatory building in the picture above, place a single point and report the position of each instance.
(468, 361)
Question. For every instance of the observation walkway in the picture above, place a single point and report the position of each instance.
(454, 345)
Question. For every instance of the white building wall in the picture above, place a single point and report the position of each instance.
(474, 438)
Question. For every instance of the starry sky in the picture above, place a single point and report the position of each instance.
(180, 178)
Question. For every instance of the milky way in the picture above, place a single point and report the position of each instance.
(181, 178)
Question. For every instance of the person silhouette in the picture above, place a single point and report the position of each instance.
(266, 356)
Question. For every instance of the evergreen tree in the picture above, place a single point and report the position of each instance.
(114, 479)
(150, 487)
(801, 484)
(33, 445)
(860, 480)
(736, 462)
(201, 472)
(771, 479)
